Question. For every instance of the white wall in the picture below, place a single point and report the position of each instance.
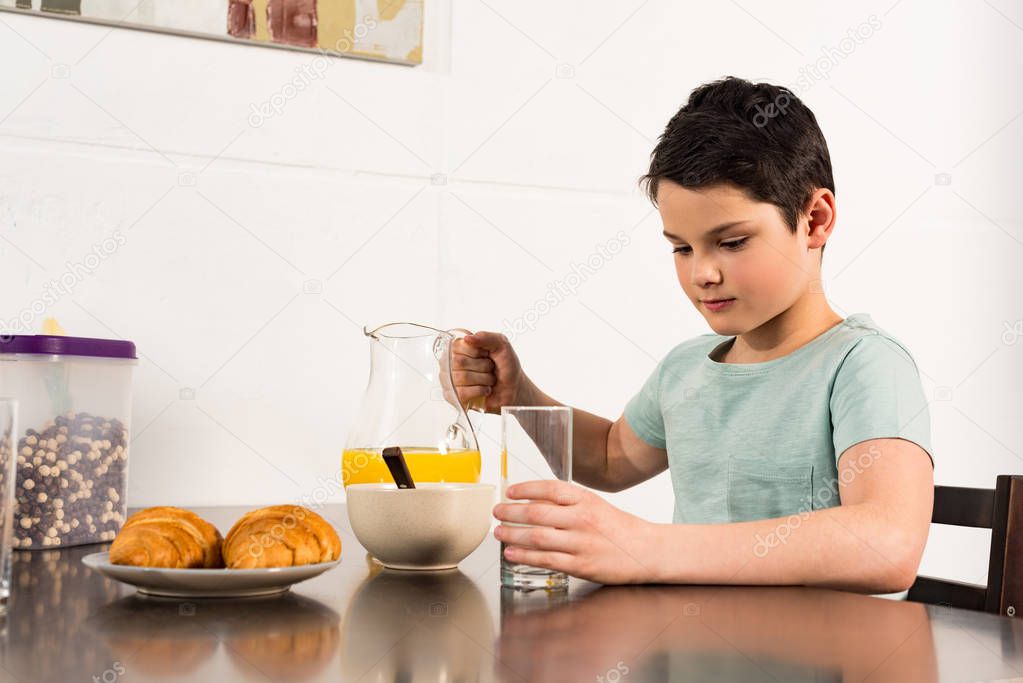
(452, 193)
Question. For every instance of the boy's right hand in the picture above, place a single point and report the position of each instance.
(486, 370)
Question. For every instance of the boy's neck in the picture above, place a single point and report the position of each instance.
(806, 320)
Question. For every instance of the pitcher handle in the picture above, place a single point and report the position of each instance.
(479, 404)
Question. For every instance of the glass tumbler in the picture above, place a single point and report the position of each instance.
(536, 444)
(8, 470)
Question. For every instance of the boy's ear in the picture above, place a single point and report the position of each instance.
(821, 215)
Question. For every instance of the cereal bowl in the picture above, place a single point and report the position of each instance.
(433, 526)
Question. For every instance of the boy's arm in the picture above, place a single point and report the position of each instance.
(871, 543)
(605, 456)
(608, 456)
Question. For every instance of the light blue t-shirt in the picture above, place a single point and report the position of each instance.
(749, 441)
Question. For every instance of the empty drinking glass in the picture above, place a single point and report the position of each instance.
(536, 443)
(8, 469)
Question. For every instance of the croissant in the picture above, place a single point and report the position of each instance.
(280, 536)
(167, 537)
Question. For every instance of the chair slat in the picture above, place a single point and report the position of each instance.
(960, 506)
(943, 592)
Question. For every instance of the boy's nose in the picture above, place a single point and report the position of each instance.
(704, 272)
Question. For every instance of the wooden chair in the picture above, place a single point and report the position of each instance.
(1001, 510)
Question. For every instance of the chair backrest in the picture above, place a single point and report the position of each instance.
(1001, 510)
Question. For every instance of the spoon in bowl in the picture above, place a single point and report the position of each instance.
(395, 461)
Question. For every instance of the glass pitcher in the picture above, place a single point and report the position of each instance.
(410, 402)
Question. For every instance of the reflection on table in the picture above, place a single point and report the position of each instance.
(417, 626)
(287, 636)
(713, 634)
(363, 623)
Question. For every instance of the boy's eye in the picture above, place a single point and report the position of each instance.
(733, 245)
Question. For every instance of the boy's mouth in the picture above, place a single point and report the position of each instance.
(717, 304)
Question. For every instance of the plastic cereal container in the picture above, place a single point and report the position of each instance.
(74, 397)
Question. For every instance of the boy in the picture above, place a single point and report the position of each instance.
(798, 442)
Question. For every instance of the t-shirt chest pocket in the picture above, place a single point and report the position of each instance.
(760, 489)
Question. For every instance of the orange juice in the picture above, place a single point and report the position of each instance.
(367, 466)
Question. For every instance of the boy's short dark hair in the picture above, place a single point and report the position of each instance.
(757, 136)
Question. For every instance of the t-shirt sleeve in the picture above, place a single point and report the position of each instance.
(643, 411)
(878, 394)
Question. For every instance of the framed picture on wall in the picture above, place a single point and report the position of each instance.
(385, 30)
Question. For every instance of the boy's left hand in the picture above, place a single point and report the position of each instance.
(575, 531)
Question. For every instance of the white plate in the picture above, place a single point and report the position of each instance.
(206, 583)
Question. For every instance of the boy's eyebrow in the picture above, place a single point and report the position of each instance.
(710, 233)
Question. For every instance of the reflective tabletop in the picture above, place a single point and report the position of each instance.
(361, 622)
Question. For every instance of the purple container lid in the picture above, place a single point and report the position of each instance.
(47, 344)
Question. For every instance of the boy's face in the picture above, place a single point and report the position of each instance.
(757, 261)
